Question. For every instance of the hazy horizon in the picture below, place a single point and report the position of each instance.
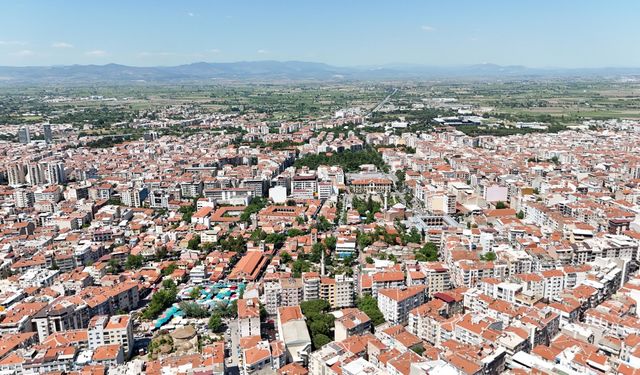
(540, 34)
(384, 65)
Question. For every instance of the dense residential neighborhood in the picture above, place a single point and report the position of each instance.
(278, 250)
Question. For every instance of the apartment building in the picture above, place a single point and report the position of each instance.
(105, 330)
(304, 186)
(248, 317)
(353, 322)
(339, 292)
(396, 303)
(385, 280)
(438, 277)
(281, 291)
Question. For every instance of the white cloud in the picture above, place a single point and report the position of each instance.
(12, 43)
(155, 54)
(262, 51)
(62, 45)
(215, 50)
(427, 28)
(96, 53)
(23, 53)
(190, 14)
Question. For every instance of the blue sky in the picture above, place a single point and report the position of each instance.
(536, 33)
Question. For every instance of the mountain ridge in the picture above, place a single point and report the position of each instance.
(273, 70)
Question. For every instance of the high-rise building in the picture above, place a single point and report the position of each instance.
(35, 174)
(23, 135)
(54, 172)
(134, 197)
(48, 135)
(23, 198)
(16, 174)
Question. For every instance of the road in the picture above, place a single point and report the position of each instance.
(383, 102)
(234, 366)
(345, 204)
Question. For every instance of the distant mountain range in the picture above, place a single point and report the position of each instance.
(258, 71)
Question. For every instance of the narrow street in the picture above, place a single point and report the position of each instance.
(234, 366)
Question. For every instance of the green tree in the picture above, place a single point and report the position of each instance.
(234, 244)
(294, 232)
(161, 300)
(113, 267)
(349, 160)
(255, 206)
(369, 260)
(193, 310)
(277, 239)
(168, 284)
(369, 306)
(314, 306)
(161, 253)
(285, 257)
(413, 236)
(319, 321)
(316, 252)
(134, 262)
(520, 215)
(232, 309)
(263, 313)
(195, 292)
(418, 349)
(300, 266)
(489, 256)
(215, 323)
(320, 340)
(207, 246)
(187, 212)
(169, 269)
(258, 235)
(400, 175)
(500, 205)
(428, 253)
(322, 224)
(194, 242)
(363, 240)
(330, 242)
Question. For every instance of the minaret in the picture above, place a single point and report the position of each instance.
(322, 270)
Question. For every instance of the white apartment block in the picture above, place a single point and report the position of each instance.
(395, 303)
(248, 317)
(105, 330)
